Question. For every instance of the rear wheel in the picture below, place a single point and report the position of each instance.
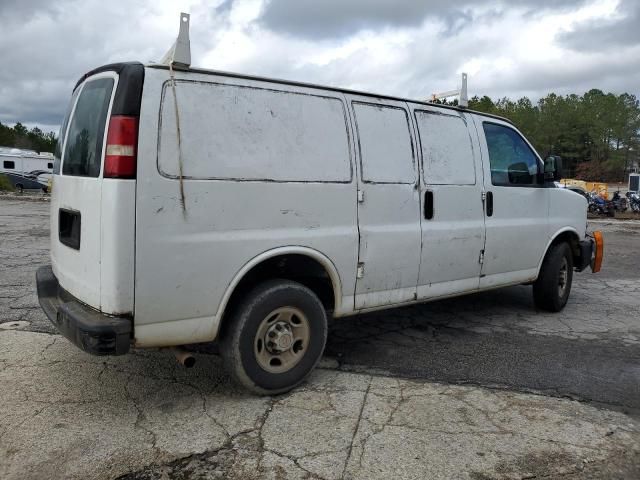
(551, 289)
(275, 337)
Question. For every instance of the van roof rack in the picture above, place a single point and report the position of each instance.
(179, 55)
(461, 93)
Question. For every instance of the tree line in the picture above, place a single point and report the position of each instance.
(20, 136)
(596, 134)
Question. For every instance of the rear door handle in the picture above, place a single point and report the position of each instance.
(69, 228)
(428, 205)
(489, 204)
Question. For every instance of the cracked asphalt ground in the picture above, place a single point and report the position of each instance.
(479, 387)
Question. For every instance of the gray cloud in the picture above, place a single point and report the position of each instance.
(328, 19)
(44, 55)
(21, 10)
(224, 7)
(606, 34)
(338, 18)
(54, 43)
(607, 72)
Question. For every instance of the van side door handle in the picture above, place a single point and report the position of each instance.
(489, 204)
(428, 205)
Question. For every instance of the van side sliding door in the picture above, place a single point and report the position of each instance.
(451, 194)
(388, 203)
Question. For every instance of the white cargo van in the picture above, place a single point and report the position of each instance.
(197, 206)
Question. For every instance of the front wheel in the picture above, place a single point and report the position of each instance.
(275, 338)
(551, 289)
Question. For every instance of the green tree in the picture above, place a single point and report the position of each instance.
(20, 136)
(597, 134)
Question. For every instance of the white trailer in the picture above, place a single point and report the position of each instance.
(26, 169)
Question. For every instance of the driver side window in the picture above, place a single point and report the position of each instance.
(511, 159)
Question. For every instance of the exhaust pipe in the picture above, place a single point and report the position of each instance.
(184, 357)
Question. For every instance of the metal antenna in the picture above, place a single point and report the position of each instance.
(179, 55)
(463, 100)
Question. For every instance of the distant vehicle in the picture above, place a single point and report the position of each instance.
(634, 201)
(596, 204)
(619, 202)
(266, 207)
(23, 182)
(579, 191)
(26, 169)
(599, 205)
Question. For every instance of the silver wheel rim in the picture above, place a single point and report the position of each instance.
(563, 277)
(282, 340)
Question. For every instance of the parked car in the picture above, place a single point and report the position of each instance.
(248, 211)
(23, 181)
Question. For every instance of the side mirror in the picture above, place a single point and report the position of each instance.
(552, 168)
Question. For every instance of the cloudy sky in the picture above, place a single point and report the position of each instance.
(401, 47)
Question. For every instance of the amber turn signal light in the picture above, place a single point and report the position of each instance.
(597, 259)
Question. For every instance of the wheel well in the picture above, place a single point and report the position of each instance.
(297, 267)
(571, 239)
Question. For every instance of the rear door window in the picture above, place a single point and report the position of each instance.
(57, 154)
(83, 151)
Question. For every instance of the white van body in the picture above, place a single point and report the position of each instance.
(371, 202)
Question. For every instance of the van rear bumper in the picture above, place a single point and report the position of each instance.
(88, 329)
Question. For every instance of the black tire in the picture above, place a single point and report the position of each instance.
(548, 293)
(238, 339)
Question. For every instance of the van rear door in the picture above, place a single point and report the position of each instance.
(92, 215)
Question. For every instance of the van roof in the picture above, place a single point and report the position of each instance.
(119, 66)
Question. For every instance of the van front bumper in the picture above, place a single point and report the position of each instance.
(587, 248)
(88, 329)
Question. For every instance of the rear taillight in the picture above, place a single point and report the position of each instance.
(120, 155)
